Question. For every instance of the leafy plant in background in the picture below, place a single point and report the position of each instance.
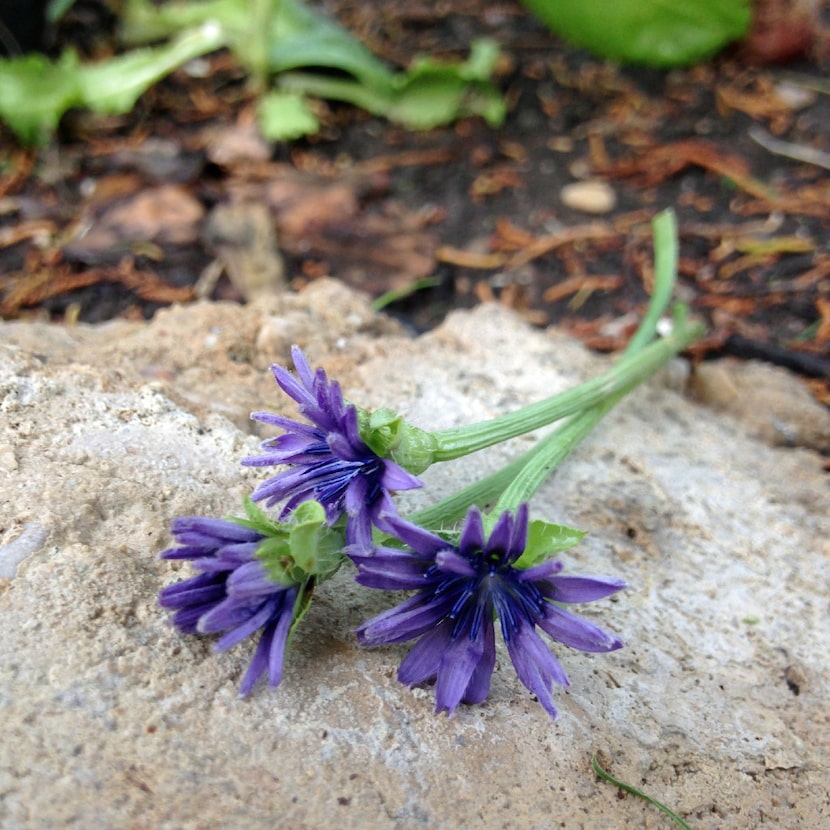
(279, 42)
(658, 33)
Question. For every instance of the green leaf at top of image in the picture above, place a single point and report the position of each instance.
(289, 33)
(35, 92)
(658, 33)
(298, 40)
(430, 93)
(115, 85)
(56, 9)
(284, 116)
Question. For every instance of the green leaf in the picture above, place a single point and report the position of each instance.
(433, 92)
(545, 539)
(35, 93)
(284, 116)
(316, 549)
(659, 33)
(294, 35)
(115, 85)
(56, 9)
(429, 94)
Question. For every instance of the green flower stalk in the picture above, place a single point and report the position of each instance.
(352, 460)
(414, 449)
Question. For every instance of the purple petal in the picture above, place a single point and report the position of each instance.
(197, 529)
(217, 619)
(472, 533)
(423, 542)
(539, 572)
(575, 588)
(357, 495)
(449, 560)
(270, 650)
(536, 666)
(459, 662)
(187, 619)
(518, 538)
(501, 536)
(291, 385)
(573, 631)
(396, 478)
(406, 621)
(391, 569)
(276, 655)
(198, 590)
(479, 686)
(302, 366)
(258, 664)
(288, 424)
(424, 660)
(251, 581)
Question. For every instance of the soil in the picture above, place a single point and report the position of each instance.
(182, 199)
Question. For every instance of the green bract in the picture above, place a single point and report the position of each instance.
(389, 436)
(303, 547)
(544, 539)
(658, 33)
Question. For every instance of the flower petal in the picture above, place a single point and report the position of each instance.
(459, 662)
(453, 562)
(406, 621)
(214, 622)
(536, 666)
(390, 569)
(573, 631)
(423, 661)
(251, 581)
(576, 588)
(479, 686)
(472, 533)
(395, 478)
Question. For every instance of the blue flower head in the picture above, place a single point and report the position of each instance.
(461, 590)
(255, 576)
(328, 459)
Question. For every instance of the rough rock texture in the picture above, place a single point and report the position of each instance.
(717, 706)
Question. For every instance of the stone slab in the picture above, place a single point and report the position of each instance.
(717, 705)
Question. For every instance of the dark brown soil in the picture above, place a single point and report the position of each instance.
(118, 216)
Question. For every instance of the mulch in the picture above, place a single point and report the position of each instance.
(182, 199)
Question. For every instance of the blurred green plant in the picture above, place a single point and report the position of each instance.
(658, 33)
(283, 44)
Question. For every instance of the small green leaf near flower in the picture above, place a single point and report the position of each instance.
(545, 539)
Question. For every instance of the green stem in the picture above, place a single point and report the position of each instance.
(631, 370)
(521, 478)
(553, 450)
(664, 230)
(639, 793)
(639, 362)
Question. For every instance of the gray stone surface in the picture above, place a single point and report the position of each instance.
(717, 705)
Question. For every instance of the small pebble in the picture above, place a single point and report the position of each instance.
(793, 96)
(8, 459)
(589, 197)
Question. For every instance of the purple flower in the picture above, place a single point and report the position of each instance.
(328, 459)
(233, 593)
(461, 590)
